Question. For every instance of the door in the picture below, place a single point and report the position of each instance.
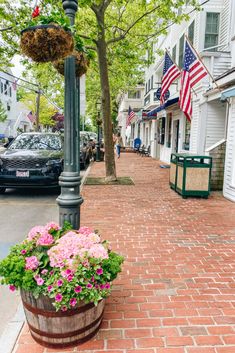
(175, 138)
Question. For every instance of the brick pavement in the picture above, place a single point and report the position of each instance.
(176, 293)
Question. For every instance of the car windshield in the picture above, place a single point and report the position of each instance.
(36, 142)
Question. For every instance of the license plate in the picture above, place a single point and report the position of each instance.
(22, 173)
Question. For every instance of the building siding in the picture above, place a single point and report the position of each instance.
(229, 176)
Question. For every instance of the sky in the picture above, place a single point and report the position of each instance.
(18, 68)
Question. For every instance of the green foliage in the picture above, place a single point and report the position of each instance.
(54, 16)
(3, 114)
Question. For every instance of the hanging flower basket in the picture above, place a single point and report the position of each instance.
(44, 43)
(81, 64)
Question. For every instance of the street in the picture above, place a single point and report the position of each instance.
(20, 210)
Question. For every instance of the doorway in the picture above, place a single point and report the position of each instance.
(175, 138)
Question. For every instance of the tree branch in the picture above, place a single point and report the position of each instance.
(122, 36)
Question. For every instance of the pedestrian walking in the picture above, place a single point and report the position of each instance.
(118, 144)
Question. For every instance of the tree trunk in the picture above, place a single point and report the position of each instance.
(110, 167)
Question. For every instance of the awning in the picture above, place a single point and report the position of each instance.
(163, 106)
(228, 93)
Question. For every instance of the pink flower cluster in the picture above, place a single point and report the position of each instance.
(42, 232)
(31, 263)
(73, 245)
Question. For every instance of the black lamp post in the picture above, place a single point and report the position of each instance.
(98, 108)
(69, 200)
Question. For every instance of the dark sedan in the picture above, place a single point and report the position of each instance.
(32, 160)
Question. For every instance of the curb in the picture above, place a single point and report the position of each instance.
(12, 331)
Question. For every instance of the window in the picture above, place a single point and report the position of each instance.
(133, 94)
(174, 54)
(1, 87)
(212, 30)
(187, 134)
(10, 91)
(181, 51)
(169, 126)
(152, 81)
(191, 32)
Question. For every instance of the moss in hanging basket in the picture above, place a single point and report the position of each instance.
(81, 63)
(45, 43)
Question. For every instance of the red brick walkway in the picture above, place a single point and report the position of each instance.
(176, 293)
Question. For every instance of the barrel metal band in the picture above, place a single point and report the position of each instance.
(45, 313)
(66, 344)
(67, 334)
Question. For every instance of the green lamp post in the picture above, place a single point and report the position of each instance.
(70, 200)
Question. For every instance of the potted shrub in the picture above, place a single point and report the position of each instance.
(64, 275)
(47, 37)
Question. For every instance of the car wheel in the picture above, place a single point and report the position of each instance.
(2, 190)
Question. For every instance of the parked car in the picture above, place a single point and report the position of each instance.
(32, 160)
(85, 149)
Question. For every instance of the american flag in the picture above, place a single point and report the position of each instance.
(193, 72)
(31, 117)
(170, 74)
(130, 116)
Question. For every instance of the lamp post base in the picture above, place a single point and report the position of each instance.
(70, 200)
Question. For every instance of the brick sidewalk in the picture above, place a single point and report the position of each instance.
(176, 293)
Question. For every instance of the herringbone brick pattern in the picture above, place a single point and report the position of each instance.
(176, 293)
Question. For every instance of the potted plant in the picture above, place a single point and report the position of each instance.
(47, 37)
(82, 59)
(64, 275)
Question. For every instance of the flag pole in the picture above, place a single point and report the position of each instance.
(179, 69)
(200, 59)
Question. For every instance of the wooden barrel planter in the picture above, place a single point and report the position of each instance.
(61, 329)
(44, 43)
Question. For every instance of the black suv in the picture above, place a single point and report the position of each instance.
(32, 160)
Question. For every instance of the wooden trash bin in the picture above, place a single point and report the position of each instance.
(193, 174)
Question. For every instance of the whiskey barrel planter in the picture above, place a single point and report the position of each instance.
(61, 329)
(44, 43)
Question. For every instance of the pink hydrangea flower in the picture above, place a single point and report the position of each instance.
(58, 298)
(52, 226)
(73, 301)
(45, 239)
(12, 288)
(35, 232)
(31, 263)
(85, 230)
(98, 251)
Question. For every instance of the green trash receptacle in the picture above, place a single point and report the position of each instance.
(193, 174)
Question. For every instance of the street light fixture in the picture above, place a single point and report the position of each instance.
(69, 200)
(99, 121)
